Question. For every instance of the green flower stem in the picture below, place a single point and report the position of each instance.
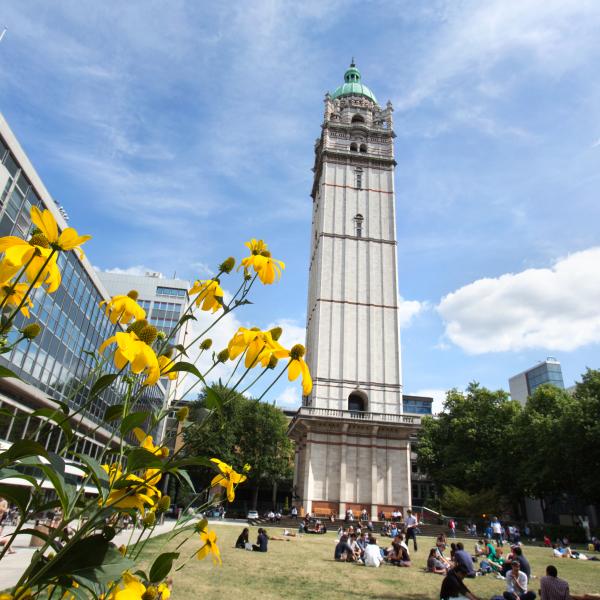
(254, 381)
(145, 541)
(273, 382)
(17, 279)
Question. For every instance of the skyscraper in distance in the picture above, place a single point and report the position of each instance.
(525, 383)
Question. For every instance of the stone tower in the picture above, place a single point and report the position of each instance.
(352, 439)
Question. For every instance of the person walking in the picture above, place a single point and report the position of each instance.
(411, 528)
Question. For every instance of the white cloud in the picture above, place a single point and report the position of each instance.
(292, 332)
(409, 309)
(438, 398)
(289, 398)
(554, 308)
(135, 270)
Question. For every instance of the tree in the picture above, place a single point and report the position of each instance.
(243, 431)
(461, 503)
(468, 446)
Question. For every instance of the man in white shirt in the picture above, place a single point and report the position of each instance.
(411, 528)
(372, 556)
(516, 584)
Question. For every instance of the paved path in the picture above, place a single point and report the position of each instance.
(13, 565)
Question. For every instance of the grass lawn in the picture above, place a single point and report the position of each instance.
(304, 569)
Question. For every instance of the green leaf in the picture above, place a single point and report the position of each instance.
(102, 383)
(196, 461)
(54, 471)
(186, 367)
(54, 542)
(21, 449)
(187, 318)
(93, 560)
(20, 495)
(212, 400)
(58, 417)
(133, 420)
(181, 349)
(140, 458)
(181, 474)
(142, 575)
(97, 473)
(4, 372)
(9, 473)
(162, 566)
(114, 412)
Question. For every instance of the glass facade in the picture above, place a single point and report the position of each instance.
(72, 321)
(546, 372)
(169, 291)
(418, 405)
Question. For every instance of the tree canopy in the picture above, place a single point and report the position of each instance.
(483, 442)
(243, 431)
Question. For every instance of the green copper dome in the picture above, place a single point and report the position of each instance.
(352, 85)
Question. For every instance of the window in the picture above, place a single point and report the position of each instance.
(363, 147)
(168, 291)
(357, 402)
(358, 177)
(358, 225)
(353, 147)
(358, 119)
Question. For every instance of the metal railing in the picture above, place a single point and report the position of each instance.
(312, 411)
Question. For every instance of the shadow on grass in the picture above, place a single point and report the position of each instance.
(398, 596)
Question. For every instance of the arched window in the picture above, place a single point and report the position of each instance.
(357, 402)
(353, 147)
(363, 147)
(358, 119)
(358, 225)
(358, 177)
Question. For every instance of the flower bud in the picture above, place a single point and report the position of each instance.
(183, 413)
(223, 356)
(276, 332)
(247, 468)
(164, 504)
(161, 335)
(122, 549)
(266, 254)
(150, 519)
(272, 362)
(247, 275)
(31, 331)
(297, 351)
(164, 452)
(227, 265)
(133, 294)
(206, 344)
(148, 334)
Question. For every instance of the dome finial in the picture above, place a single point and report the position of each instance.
(352, 64)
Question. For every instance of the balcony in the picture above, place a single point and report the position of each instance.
(312, 412)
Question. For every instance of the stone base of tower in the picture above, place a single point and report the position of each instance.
(350, 460)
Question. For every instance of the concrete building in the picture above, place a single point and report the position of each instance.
(525, 383)
(352, 435)
(54, 365)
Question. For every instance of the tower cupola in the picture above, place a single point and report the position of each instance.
(353, 85)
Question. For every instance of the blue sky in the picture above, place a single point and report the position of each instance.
(174, 134)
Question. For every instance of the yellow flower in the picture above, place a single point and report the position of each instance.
(228, 478)
(298, 366)
(123, 309)
(260, 259)
(69, 239)
(138, 494)
(259, 346)
(131, 588)
(18, 253)
(210, 547)
(210, 294)
(164, 591)
(12, 295)
(130, 349)
(166, 364)
(6, 597)
(151, 476)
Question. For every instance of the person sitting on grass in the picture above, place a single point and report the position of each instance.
(262, 541)
(493, 556)
(516, 584)
(399, 555)
(434, 565)
(480, 549)
(454, 587)
(372, 555)
(462, 557)
(342, 549)
(243, 539)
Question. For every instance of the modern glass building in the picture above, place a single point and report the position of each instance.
(524, 384)
(54, 365)
(417, 405)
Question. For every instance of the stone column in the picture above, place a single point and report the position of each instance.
(307, 492)
(342, 494)
(408, 475)
(374, 498)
